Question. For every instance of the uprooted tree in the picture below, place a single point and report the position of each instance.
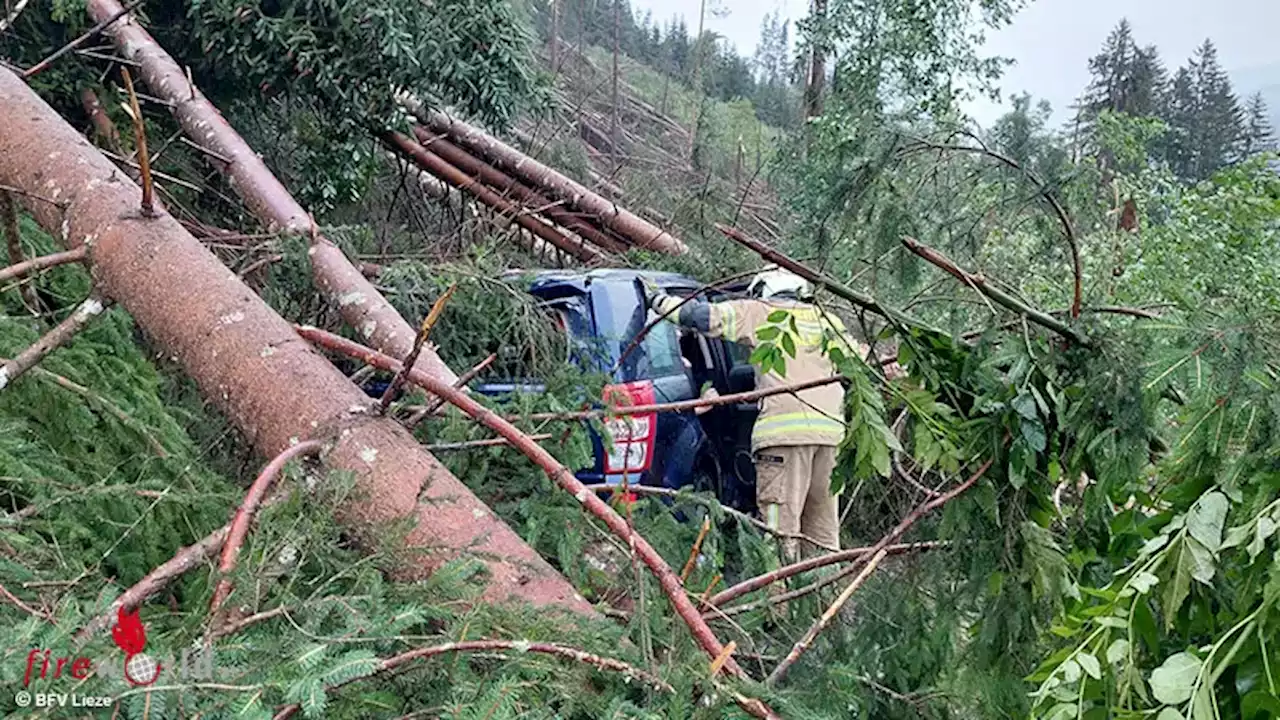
(1064, 505)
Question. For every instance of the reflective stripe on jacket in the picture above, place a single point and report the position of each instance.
(810, 417)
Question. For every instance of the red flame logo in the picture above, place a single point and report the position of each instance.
(128, 632)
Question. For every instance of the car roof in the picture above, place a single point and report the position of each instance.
(547, 280)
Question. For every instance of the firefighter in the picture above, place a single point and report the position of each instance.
(795, 436)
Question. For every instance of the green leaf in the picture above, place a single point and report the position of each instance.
(778, 316)
(1071, 671)
(1144, 581)
(789, 345)
(768, 332)
(1206, 517)
(1202, 704)
(1259, 705)
(1265, 528)
(1090, 665)
(1117, 651)
(1062, 711)
(1180, 584)
(1025, 405)
(1033, 433)
(1172, 682)
(1170, 713)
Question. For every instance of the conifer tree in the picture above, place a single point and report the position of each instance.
(1259, 136)
(1126, 78)
(1205, 119)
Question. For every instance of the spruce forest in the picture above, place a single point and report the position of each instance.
(260, 255)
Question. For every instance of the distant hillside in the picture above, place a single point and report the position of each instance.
(1264, 79)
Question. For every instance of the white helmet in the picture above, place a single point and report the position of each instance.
(774, 281)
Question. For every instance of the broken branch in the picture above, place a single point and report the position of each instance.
(52, 340)
(239, 527)
(17, 602)
(523, 646)
(463, 380)
(488, 442)
(43, 262)
(397, 382)
(877, 553)
(140, 138)
(980, 284)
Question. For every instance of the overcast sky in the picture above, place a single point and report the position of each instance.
(1052, 40)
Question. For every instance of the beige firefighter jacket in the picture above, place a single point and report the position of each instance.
(810, 417)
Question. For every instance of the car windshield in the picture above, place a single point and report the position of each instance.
(618, 321)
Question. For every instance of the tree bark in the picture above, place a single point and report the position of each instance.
(640, 232)
(817, 80)
(342, 284)
(251, 364)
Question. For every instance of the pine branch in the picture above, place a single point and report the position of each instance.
(52, 340)
(980, 284)
(185, 559)
(22, 269)
(239, 527)
(697, 548)
(557, 472)
(522, 646)
(16, 601)
(877, 553)
(1043, 190)
(782, 573)
(140, 140)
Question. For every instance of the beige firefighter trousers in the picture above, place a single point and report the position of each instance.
(793, 490)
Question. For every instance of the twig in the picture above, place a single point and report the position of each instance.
(85, 37)
(397, 382)
(878, 553)
(557, 472)
(52, 340)
(697, 547)
(521, 646)
(706, 501)
(4, 593)
(239, 527)
(186, 558)
(462, 382)
(232, 628)
(1042, 188)
(489, 442)
(6, 23)
(980, 284)
(62, 204)
(259, 264)
(140, 138)
(678, 406)
(9, 215)
(782, 573)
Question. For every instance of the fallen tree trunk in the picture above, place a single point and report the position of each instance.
(361, 305)
(641, 232)
(250, 363)
(454, 176)
(506, 185)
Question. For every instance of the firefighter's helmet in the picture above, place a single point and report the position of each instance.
(774, 282)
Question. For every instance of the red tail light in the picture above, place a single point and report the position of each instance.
(632, 435)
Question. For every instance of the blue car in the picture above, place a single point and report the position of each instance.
(602, 311)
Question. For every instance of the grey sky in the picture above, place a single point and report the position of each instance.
(1052, 40)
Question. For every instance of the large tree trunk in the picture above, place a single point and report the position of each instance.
(513, 214)
(813, 90)
(639, 231)
(249, 362)
(507, 186)
(360, 304)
